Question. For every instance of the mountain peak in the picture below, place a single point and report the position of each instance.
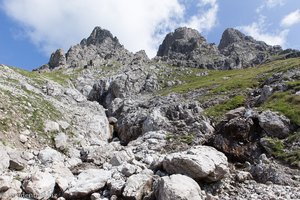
(229, 36)
(182, 40)
(99, 36)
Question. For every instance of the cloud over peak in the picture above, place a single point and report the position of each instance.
(139, 24)
(258, 31)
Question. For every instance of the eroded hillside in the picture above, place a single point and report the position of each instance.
(100, 122)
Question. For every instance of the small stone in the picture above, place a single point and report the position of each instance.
(26, 132)
(16, 162)
(247, 165)
(23, 138)
(5, 182)
(31, 162)
(116, 186)
(61, 141)
(95, 196)
(128, 169)
(211, 197)
(241, 176)
(269, 183)
(51, 126)
(112, 120)
(4, 161)
(64, 125)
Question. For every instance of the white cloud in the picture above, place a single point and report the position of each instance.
(139, 24)
(204, 20)
(273, 3)
(270, 4)
(258, 31)
(291, 19)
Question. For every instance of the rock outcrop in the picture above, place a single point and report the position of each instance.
(186, 47)
(244, 51)
(95, 50)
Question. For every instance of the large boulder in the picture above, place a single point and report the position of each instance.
(63, 176)
(49, 156)
(87, 182)
(199, 163)
(274, 125)
(137, 186)
(40, 185)
(179, 187)
(238, 135)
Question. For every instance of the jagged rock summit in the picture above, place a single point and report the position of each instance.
(244, 51)
(184, 47)
(95, 50)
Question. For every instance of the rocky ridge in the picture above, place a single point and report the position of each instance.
(100, 122)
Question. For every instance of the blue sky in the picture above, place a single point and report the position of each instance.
(32, 29)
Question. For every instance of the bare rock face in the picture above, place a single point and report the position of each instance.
(243, 51)
(100, 48)
(178, 187)
(137, 186)
(87, 182)
(136, 117)
(274, 125)
(40, 185)
(199, 163)
(57, 58)
(186, 47)
(49, 156)
(238, 135)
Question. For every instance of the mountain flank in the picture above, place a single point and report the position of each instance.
(198, 121)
